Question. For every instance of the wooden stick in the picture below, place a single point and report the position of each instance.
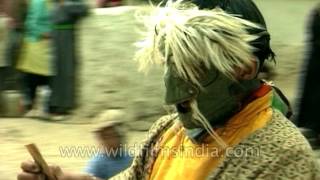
(37, 157)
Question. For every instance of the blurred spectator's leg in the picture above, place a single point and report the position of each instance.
(1, 89)
(2, 78)
(11, 55)
(29, 86)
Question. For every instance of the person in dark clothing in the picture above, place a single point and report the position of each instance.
(63, 84)
(308, 104)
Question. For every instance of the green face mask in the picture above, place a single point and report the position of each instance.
(218, 100)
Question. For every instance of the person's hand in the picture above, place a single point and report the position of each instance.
(31, 171)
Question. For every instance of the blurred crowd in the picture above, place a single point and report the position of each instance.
(39, 50)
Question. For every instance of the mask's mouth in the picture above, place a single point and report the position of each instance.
(184, 107)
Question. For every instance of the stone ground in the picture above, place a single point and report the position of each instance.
(109, 80)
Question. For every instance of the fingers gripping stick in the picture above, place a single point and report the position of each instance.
(37, 157)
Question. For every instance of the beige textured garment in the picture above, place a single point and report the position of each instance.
(284, 154)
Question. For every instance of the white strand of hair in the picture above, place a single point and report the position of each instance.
(197, 115)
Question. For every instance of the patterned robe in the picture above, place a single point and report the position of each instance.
(284, 153)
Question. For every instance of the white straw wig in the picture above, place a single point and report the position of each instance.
(194, 40)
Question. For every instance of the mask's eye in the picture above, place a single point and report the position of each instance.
(208, 76)
(170, 67)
